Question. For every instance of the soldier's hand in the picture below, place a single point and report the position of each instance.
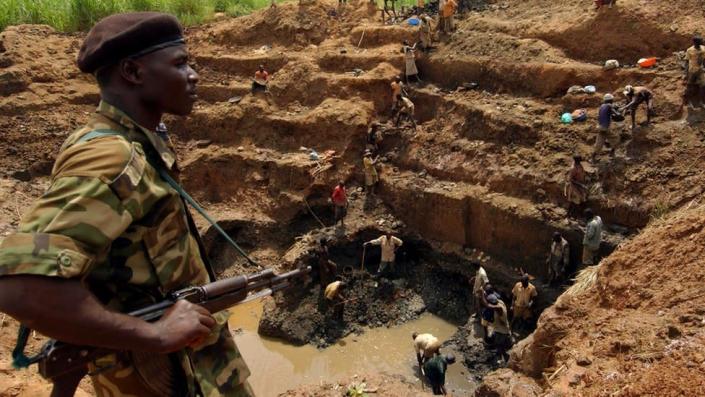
(184, 324)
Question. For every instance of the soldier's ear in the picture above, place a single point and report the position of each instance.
(131, 71)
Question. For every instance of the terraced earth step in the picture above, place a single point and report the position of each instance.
(508, 228)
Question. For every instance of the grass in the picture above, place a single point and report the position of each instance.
(76, 15)
(80, 15)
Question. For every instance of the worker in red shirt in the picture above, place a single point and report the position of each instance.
(340, 203)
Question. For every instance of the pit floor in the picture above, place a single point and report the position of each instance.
(277, 366)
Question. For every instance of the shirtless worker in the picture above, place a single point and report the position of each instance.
(636, 96)
(397, 91)
(406, 112)
(110, 224)
(259, 83)
(335, 299)
(694, 79)
(426, 346)
(558, 258)
(478, 283)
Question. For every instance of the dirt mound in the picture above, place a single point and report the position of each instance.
(638, 330)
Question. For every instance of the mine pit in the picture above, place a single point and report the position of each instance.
(298, 334)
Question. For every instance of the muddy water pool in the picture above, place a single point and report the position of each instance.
(277, 366)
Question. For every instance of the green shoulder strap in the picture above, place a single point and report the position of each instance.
(175, 185)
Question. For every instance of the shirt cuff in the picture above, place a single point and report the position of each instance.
(43, 254)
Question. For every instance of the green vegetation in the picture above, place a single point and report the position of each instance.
(73, 15)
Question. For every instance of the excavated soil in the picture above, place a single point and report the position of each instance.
(483, 171)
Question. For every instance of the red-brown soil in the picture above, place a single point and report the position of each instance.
(484, 169)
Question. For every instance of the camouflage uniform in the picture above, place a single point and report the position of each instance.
(111, 221)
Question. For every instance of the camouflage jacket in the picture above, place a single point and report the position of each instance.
(110, 220)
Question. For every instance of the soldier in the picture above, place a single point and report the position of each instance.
(110, 235)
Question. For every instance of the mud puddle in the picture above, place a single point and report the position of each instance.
(277, 366)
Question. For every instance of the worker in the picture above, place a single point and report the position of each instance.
(259, 83)
(327, 269)
(374, 137)
(523, 295)
(694, 79)
(371, 176)
(410, 61)
(604, 120)
(487, 313)
(600, 3)
(335, 299)
(558, 258)
(478, 282)
(389, 245)
(501, 335)
(426, 346)
(109, 235)
(397, 92)
(406, 112)
(441, 20)
(636, 96)
(576, 190)
(592, 238)
(425, 36)
(448, 11)
(435, 371)
(340, 203)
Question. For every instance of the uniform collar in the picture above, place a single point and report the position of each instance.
(159, 144)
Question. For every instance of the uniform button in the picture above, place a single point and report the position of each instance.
(64, 260)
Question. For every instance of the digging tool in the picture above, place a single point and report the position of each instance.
(313, 213)
(361, 37)
(362, 265)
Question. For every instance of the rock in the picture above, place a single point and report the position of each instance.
(674, 332)
(240, 148)
(203, 143)
(22, 175)
(584, 361)
(611, 64)
(235, 99)
(576, 89)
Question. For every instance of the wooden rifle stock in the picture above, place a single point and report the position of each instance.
(65, 364)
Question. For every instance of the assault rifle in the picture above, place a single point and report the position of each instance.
(65, 364)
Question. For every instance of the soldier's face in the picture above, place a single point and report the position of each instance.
(169, 83)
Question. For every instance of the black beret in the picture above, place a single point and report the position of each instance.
(126, 35)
